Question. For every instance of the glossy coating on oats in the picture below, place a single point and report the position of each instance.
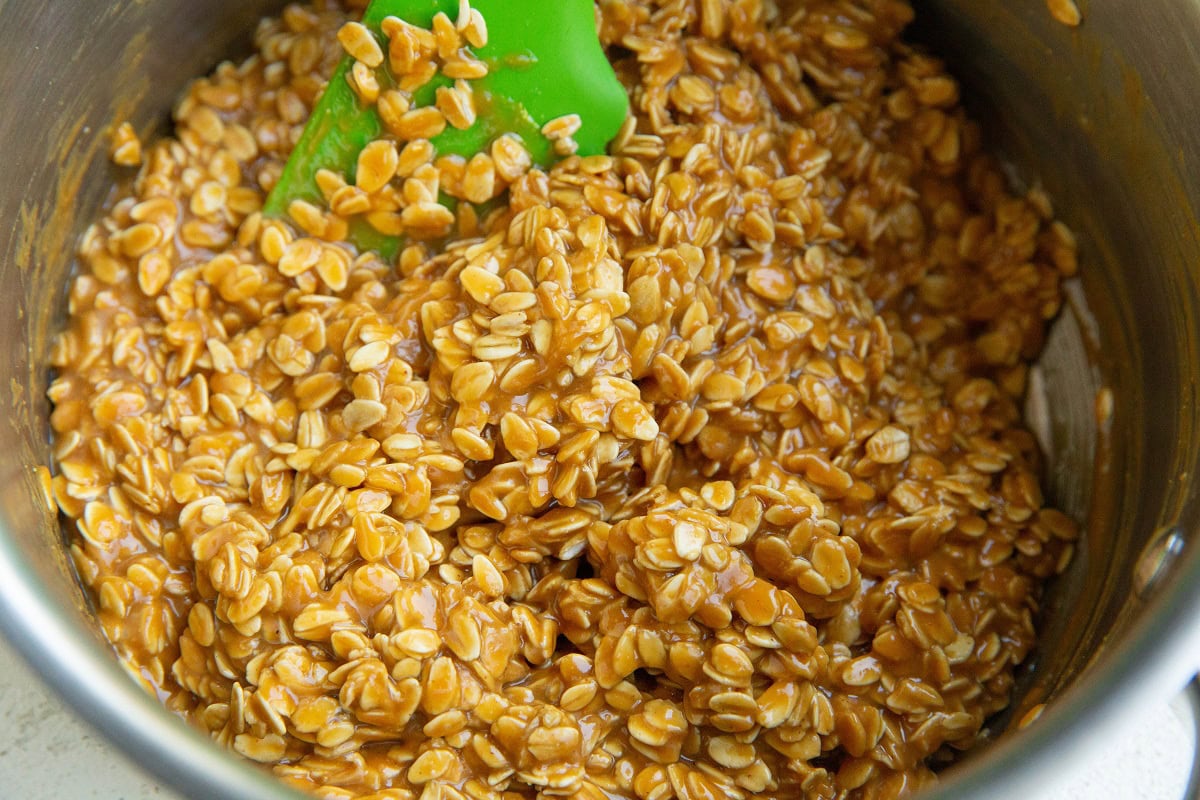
(693, 471)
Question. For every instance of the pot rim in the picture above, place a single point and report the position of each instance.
(51, 635)
(1156, 658)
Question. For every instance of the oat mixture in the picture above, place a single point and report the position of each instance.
(691, 472)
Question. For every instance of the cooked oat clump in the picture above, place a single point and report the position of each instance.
(690, 472)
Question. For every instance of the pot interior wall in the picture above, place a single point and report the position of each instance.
(1091, 114)
(68, 73)
(1096, 114)
(87, 70)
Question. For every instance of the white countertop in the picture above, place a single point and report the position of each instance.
(47, 754)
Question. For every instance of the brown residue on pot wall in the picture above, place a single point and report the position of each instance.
(49, 223)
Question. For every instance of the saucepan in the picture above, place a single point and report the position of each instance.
(1103, 115)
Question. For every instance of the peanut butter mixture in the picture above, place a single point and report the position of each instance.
(690, 472)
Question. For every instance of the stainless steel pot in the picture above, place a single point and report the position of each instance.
(1104, 116)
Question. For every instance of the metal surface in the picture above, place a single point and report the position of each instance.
(47, 752)
(1104, 116)
(67, 71)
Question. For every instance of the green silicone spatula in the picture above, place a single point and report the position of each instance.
(544, 61)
